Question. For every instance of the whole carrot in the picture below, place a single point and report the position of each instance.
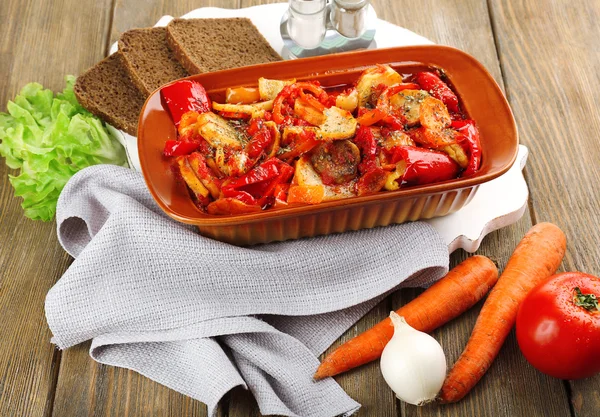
(537, 256)
(459, 290)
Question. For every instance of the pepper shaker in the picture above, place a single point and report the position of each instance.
(317, 27)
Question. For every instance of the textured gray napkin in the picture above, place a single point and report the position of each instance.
(201, 316)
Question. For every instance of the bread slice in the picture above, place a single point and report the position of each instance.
(106, 91)
(205, 45)
(148, 60)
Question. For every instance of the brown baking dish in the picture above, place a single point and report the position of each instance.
(479, 94)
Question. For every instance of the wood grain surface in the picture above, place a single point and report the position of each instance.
(543, 54)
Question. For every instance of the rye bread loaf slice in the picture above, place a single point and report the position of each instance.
(106, 91)
(205, 45)
(148, 59)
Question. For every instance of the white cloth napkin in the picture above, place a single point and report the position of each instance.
(201, 316)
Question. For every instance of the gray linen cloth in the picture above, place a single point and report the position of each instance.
(201, 316)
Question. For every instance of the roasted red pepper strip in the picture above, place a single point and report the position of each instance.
(180, 147)
(261, 181)
(183, 96)
(243, 196)
(424, 166)
(303, 143)
(439, 89)
(367, 144)
(471, 144)
(371, 181)
(293, 91)
(370, 117)
(259, 142)
(267, 170)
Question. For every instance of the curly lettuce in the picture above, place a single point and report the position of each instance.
(50, 138)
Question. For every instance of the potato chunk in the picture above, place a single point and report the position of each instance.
(347, 101)
(268, 89)
(372, 77)
(305, 175)
(434, 114)
(338, 124)
(251, 109)
(218, 132)
(408, 103)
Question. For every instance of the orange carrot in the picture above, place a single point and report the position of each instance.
(448, 298)
(537, 256)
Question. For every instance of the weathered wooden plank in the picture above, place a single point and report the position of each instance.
(39, 41)
(84, 386)
(550, 63)
(466, 25)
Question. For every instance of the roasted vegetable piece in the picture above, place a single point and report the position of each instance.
(268, 89)
(304, 110)
(183, 96)
(249, 109)
(260, 182)
(367, 143)
(370, 117)
(198, 164)
(201, 193)
(242, 95)
(293, 91)
(457, 153)
(435, 139)
(338, 124)
(371, 181)
(348, 100)
(433, 84)
(306, 175)
(218, 132)
(407, 104)
(262, 139)
(230, 205)
(336, 162)
(418, 166)
(297, 140)
(373, 77)
(433, 114)
(180, 147)
(470, 142)
(307, 194)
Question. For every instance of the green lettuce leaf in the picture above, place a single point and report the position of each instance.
(49, 138)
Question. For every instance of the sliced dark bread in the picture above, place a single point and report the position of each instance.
(205, 45)
(106, 91)
(148, 59)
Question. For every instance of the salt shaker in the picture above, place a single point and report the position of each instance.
(306, 24)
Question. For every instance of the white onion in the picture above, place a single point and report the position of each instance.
(413, 363)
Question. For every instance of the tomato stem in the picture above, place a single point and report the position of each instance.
(587, 301)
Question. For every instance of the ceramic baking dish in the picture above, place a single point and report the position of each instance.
(479, 94)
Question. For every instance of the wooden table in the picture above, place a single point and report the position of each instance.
(546, 56)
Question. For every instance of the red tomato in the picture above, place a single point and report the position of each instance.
(558, 326)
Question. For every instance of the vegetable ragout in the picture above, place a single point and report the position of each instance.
(287, 142)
